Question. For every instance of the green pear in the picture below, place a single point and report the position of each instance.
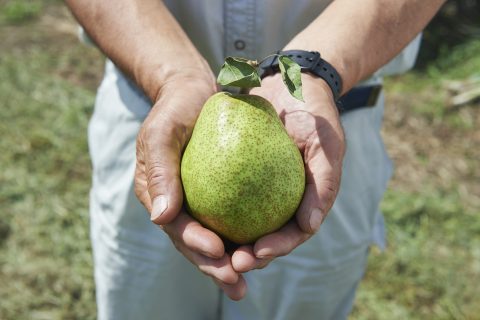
(242, 174)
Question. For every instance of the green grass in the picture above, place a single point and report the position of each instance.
(460, 63)
(45, 259)
(430, 269)
(432, 263)
(19, 11)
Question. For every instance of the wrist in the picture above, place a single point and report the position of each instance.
(318, 89)
(310, 62)
(318, 96)
(329, 53)
(166, 76)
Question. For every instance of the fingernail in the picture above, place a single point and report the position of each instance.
(264, 253)
(264, 256)
(316, 218)
(160, 204)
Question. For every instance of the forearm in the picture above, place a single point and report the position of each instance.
(358, 37)
(142, 38)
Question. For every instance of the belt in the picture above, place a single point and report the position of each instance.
(359, 97)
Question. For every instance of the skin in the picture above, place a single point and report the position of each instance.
(356, 37)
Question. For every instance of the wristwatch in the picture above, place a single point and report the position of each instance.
(309, 61)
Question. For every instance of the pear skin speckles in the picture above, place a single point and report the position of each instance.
(242, 175)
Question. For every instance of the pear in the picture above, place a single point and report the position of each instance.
(242, 174)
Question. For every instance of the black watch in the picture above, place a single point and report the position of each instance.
(309, 61)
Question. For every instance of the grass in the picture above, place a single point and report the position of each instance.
(430, 270)
(432, 262)
(20, 11)
(45, 259)
(45, 254)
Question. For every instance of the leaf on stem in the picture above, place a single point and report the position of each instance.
(238, 72)
(291, 74)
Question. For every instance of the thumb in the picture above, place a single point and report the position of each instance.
(164, 188)
(323, 183)
(158, 184)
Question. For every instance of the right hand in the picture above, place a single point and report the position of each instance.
(315, 127)
(160, 143)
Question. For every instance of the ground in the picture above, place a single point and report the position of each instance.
(430, 269)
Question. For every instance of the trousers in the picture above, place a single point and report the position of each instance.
(140, 275)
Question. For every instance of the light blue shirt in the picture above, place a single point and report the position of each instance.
(255, 29)
(140, 275)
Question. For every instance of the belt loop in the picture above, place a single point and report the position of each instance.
(373, 98)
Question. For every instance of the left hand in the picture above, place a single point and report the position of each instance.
(314, 125)
(160, 142)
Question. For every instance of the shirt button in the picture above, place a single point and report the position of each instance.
(239, 44)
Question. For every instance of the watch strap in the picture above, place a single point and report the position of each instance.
(309, 61)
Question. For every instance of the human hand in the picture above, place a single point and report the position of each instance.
(160, 143)
(315, 128)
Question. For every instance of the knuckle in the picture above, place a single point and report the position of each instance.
(155, 174)
(152, 124)
(139, 189)
(177, 244)
(219, 274)
(163, 130)
(328, 194)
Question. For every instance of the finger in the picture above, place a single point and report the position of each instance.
(321, 189)
(244, 260)
(202, 247)
(314, 207)
(191, 234)
(281, 242)
(219, 269)
(159, 151)
(140, 182)
(234, 291)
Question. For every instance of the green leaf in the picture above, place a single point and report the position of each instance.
(291, 74)
(238, 72)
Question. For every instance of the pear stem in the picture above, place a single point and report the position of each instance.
(255, 64)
